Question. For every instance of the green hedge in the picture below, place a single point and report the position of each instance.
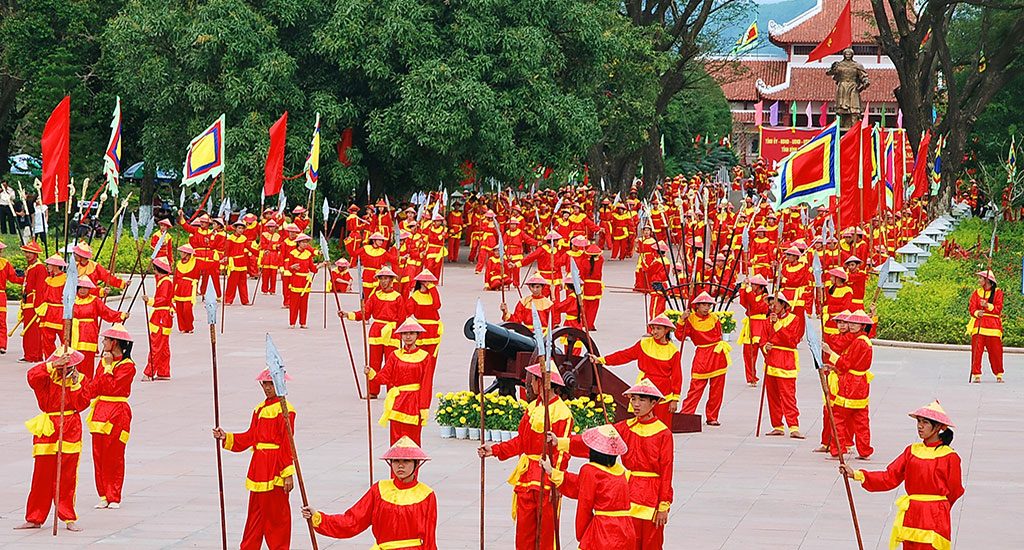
(933, 308)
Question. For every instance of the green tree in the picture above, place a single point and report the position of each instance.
(700, 112)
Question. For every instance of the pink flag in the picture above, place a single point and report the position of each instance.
(867, 114)
(759, 113)
(899, 117)
(810, 120)
(823, 116)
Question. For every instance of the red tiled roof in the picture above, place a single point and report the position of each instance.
(737, 78)
(814, 29)
(812, 84)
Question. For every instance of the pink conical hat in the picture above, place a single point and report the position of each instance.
(410, 325)
(645, 387)
(605, 439)
(405, 449)
(933, 411)
(264, 376)
(117, 332)
(703, 298)
(556, 377)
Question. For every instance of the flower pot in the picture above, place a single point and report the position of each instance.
(488, 435)
(474, 434)
(447, 432)
(461, 432)
(727, 337)
(507, 435)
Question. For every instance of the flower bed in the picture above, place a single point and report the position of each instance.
(503, 412)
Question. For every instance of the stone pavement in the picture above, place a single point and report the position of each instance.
(732, 490)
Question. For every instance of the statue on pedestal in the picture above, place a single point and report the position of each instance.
(851, 79)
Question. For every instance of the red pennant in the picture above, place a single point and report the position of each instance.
(344, 144)
(273, 170)
(56, 147)
(840, 38)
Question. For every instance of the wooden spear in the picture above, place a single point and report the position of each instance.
(479, 336)
(210, 303)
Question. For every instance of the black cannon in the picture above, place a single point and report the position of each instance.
(509, 348)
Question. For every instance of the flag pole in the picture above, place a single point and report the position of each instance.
(298, 470)
(212, 317)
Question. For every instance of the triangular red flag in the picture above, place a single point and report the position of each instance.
(273, 170)
(344, 144)
(840, 38)
(56, 148)
(920, 173)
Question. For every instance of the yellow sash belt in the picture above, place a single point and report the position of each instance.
(389, 405)
(912, 534)
(398, 544)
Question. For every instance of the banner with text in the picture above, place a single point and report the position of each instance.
(778, 143)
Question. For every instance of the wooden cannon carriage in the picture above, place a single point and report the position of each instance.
(510, 348)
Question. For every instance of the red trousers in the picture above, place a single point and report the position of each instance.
(526, 521)
(782, 408)
(826, 426)
(108, 461)
(453, 250)
(377, 354)
(714, 404)
(3, 325)
(590, 308)
(237, 282)
(268, 280)
(619, 248)
(159, 361)
(398, 429)
(298, 308)
(648, 535)
(270, 518)
(210, 272)
(657, 305)
(852, 425)
(994, 345)
(186, 318)
(30, 341)
(750, 353)
(40, 496)
(48, 340)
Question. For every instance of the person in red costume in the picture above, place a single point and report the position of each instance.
(424, 303)
(31, 298)
(341, 277)
(986, 326)
(271, 470)
(548, 259)
(648, 458)
(372, 257)
(930, 473)
(237, 250)
(269, 259)
(456, 225)
(288, 244)
(857, 279)
(795, 276)
(85, 323)
(591, 267)
(601, 490)
(161, 322)
(710, 360)
(850, 393)
(654, 273)
(754, 298)
(7, 275)
(401, 512)
(96, 272)
(48, 380)
(782, 365)
(762, 253)
(523, 314)
(186, 281)
(302, 266)
(50, 305)
(838, 298)
(387, 308)
(837, 343)
(529, 444)
(166, 249)
(658, 360)
(408, 373)
(201, 237)
(436, 235)
(110, 419)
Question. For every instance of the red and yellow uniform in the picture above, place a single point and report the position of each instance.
(269, 261)
(237, 250)
(387, 309)
(85, 328)
(109, 422)
(603, 512)
(523, 313)
(455, 227)
(655, 270)
(425, 305)
(269, 515)
(31, 302)
(7, 275)
(710, 361)
(436, 236)
(649, 461)
(986, 330)
(409, 376)
(401, 516)
(838, 298)
(100, 275)
(621, 232)
(46, 382)
(166, 250)
(931, 475)
(161, 321)
(50, 309)
(528, 445)
(372, 258)
(591, 268)
(301, 266)
(781, 367)
(284, 255)
(341, 279)
(202, 241)
(659, 363)
(547, 259)
(762, 254)
(186, 282)
(795, 279)
(755, 328)
(850, 404)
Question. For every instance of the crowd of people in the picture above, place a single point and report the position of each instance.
(695, 252)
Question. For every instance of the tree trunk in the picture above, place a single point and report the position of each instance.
(9, 87)
(654, 164)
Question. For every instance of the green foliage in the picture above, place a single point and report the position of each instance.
(935, 310)
(703, 111)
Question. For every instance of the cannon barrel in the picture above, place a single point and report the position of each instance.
(502, 340)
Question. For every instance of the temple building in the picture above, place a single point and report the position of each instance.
(790, 79)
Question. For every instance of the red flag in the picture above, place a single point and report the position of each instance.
(273, 170)
(840, 38)
(920, 173)
(344, 145)
(823, 116)
(858, 196)
(56, 146)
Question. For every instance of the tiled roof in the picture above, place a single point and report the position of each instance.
(812, 84)
(812, 26)
(737, 78)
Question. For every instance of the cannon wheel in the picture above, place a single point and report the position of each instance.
(566, 340)
(504, 386)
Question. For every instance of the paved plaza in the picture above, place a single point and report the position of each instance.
(732, 490)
